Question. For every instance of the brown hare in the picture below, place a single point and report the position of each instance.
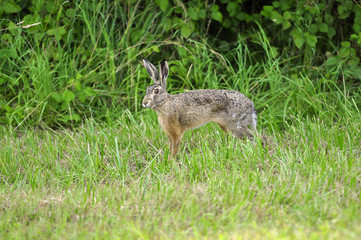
(177, 113)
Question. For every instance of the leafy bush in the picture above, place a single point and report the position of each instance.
(63, 61)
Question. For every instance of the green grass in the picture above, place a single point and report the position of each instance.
(113, 181)
(69, 170)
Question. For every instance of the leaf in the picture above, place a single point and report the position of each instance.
(10, 7)
(345, 44)
(276, 17)
(167, 25)
(163, 4)
(267, 11)
(323, 27)
(331, 32)
(311, 40)
(299, 41)
(177, 21)
(354, 36)
(343, 11)
(356, 27)
(313, 28)
(8, 53)
(227, 23)
(241, 16)
(224, 46)
(233, 9)
(354, 71)
(274, 52)
(182, 52)
(30, 20)
(88, 91)
(70, 12)
(268, 8)
(286, 5)
(217, 15)
(202, 14)
(276, 4)
(285, 25)
(332, 61)
(287, 15)
(178, 10)
(214, 7)
(357, 19)
(81, 97)
(61, 31)
(68, 96)
(154, 49)
(77, 85)
(7, 37)
(13, 29)
(51, 7)
(136, 34)
(65, 118)
(328, 18)
(75, 117)
(79, 76)
(71, 80)
(57, 32)
(344, 52)
(186, 31)
(354, 61)
(192, 13)
(57, 97)
(298, 38)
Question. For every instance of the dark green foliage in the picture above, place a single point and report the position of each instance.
(63, 61)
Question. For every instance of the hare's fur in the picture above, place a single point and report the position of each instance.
(177, 113)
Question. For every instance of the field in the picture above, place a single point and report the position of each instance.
(113, 181)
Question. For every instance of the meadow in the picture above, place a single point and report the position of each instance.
(81, 159)
(111, 181)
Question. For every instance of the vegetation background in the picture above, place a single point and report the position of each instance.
(79, 155)
(62, 62)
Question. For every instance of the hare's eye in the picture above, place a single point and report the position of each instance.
(156, 91)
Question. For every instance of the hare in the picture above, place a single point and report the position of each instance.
(233, 111)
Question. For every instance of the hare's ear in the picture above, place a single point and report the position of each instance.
(153, 72)
(164, 72)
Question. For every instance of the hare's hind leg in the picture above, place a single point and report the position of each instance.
(223, 127)
(254, 121)
(238, 124)
(242, 132)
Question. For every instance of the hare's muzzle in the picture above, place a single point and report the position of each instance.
(145, 103)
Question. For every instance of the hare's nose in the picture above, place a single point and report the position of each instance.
(145, 103)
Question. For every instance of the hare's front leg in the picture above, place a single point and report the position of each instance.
(174, 133)
(175, 136)
(175, 140)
